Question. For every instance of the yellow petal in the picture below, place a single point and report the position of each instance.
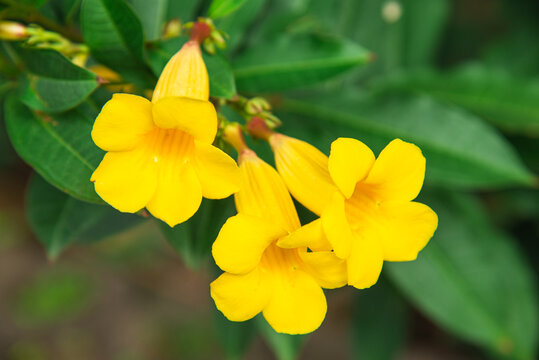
(122, 123)
(310, 235)
(184, 75)
(218, 173)
(297, 304)
(398, 172)
(349, 162)
(178, 194)
(405, 229)
(242, 241)
(240, 297)
(365, 261)
(329, 271)
(263, 193)
(304, 170)
(336, 226)
(126, 180)
(195, 117)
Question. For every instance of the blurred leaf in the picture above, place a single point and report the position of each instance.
(183, 10)
(193, 239)
(152, 14)
(380, 323)
(51, 297)
(408, 41)
(60, 220)
(54, 84)
(460, 149)
(114, 34)
(508, 102)
(58, 146)
(222, 8)
(235, 337)
(472, 280)
(284, 346)
(294, 62)
(221, 77)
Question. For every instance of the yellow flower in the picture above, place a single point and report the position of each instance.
(365, 204)
(285, 284)
(160, 154)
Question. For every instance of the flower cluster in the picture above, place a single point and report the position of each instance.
(160, 156)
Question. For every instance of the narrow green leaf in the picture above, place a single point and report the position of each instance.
(152, 14)
(59, 220)
(222, 8)
(194, 238)
(295, 62)
(284, 346)
(115, 36)
(380, 323)
(54, 83)
(473, 281)
(510, 103)
(58, 147)
(221, 77)
(235, 337)
(460, 149)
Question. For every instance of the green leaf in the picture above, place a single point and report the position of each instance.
(473, 281)
(58, 147)
(460, 149)
(152, 14)
(114, 35)
(222, 8)
(184, 10)
(54, 83)
(295, 62)
(193, 239)
(221, 77)
(380, 323)
(59, 220)
(510, 103)
(235, 337)
(284, 346)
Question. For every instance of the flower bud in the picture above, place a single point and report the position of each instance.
(11, 30)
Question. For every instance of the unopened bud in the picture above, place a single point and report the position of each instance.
(11, 30)
(392, 11)
(256, 106)
(172, 29)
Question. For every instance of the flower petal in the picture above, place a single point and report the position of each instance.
(242, 241)
(336, 226)
(178, 194)
(195, 117)
(218, 173)
(398, 172)
(349, 162)
(297, 305)
(304, 170)
(122, 123)
(126, 180)
(240, 297)
(365, 261)
(405, 229)
(329, 271)
(310, 235)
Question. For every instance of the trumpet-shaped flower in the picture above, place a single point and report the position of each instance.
(285, 284)
(365, 204)
(160, 154)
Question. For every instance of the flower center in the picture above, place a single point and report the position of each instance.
(276, 259)
(169, 146)
(362, 208)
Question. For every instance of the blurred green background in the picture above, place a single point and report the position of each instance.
(458, 78)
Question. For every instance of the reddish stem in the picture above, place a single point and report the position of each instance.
(200, 32)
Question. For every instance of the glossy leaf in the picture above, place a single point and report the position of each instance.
(221, 8)
(510, 103)
(472, 280)
(295, 62)
(54, 83)
(115, 36)
(60, 220)
(193, 239)
(58, 147)
(380, 318)
(152, 15)
(460, 149)
(221, 77)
